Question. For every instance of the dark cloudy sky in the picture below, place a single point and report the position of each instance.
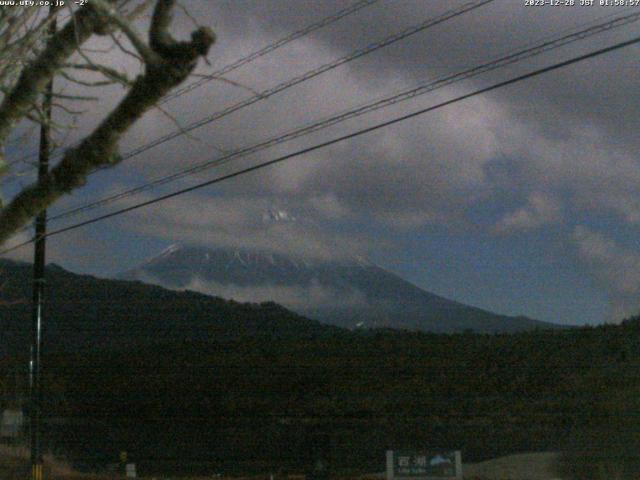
(525, 200)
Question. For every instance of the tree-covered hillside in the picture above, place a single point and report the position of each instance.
(88, 313)
(259, 389)
(258, 403)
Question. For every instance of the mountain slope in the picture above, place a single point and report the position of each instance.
(348, 293)
(84, 312)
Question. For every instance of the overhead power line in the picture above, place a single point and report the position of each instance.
(270, 48)
(404, 95)
(264, 94)
(358, 53)
(355, 7)
(342, 138)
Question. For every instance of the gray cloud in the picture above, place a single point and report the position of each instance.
(240, 222)
(539, 210)
(565, 142)
(616, 270)
(297, 298)
(428, 170)
(21, 254)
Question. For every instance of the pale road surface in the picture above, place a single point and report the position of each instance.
(525, 466)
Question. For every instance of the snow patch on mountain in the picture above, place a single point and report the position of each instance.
(344, 291)
(275, 215)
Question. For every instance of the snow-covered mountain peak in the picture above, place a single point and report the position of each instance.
(277, 215)
(171, 249)
(351, 292)
(163, 255)
(362, 261)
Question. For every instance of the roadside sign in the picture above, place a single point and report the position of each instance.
(131, 470)
(424, 465)
(12, 423)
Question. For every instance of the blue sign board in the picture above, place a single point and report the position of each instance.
(424, 465)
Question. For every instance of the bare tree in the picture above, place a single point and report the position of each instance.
(29, 59)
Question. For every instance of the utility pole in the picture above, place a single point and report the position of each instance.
(35, 370)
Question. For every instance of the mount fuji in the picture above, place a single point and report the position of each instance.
(352, 293)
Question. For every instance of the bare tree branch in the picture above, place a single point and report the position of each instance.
(145, 52)
(35, 76)
(104, 70)
(169, 64)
